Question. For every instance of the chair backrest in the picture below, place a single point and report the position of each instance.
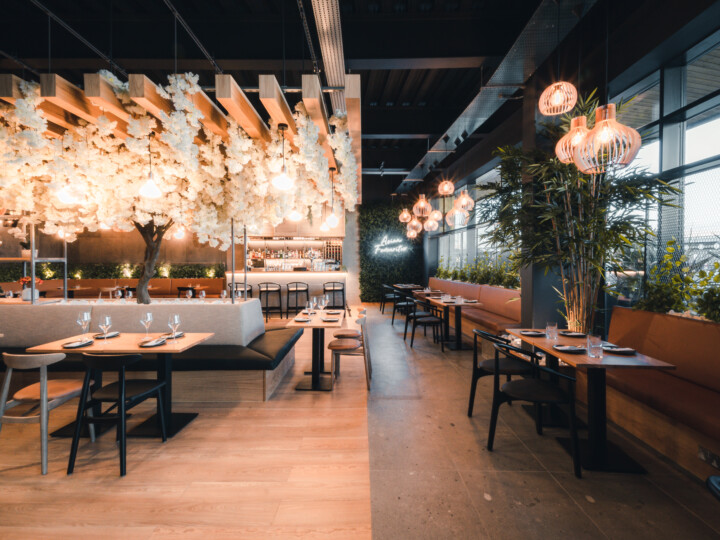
(510, 350)
(298, 285)
(333, 286)
(31, 361)
(362, 321)
(492, 338)
(109, 362)
(239, 286)
(268, 286)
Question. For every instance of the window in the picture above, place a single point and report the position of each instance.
(703, 75)
(702, 136)
(700, 217)
(642, 109)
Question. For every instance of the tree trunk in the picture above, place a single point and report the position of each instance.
(152, 234)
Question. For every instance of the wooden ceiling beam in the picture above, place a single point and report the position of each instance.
(353, 104)
(144, 92)
(238, 106)
(273, 99)
(58, 119)
(315, 105)
(102, 95)
(70, 98)
(213, 118)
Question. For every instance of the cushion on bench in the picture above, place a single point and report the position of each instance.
(222, 357)
(276, 343)
(495, 323)
(686, 402)
(500, 301)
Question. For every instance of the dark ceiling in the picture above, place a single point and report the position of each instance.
(421, 61)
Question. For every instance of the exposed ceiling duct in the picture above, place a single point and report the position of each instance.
(327, 21)
(535, 43)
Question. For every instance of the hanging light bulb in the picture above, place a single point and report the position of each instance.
(412, 234)
(179, 233)
(104, 226)
(324, 227)
(66, 195)
(558, 98)
(283, 182)
(295, 216)
(608, 144)
(431, 225)
(446, 188)
(565, 147)
(422, 208)
(405, 216)
(150, 190)
(332, 220)
(415, 225)
(61, 233)
(464, 202)
(435, 215)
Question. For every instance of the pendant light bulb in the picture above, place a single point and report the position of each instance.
(66, 196)
(435, 215)
(179, 233)
(412, 234)
(283, 182)
(332, 220)
(565, 147)
(446, 188)
(324, 227)
(558, 98)
(431, 225)
(415, 225)
(295, 216)
(422, 208)
(405, 216)
(465, 202)
(150, 190)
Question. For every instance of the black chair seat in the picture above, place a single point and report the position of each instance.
(508, 366)
(534, 390)
(419, 314)
(133, 388)
(404, 304)
(428, 320)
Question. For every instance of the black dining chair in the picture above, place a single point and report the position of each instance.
(266, 291)
(413, 313)
(537, 391)
(427, 315)
(123, 395)
(388, 295)
(508, 365)
(403, 305)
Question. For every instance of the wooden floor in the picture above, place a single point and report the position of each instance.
(296, 466)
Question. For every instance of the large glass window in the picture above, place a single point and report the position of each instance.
(703, 75)
(702, 136)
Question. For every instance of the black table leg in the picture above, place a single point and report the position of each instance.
(457, 345)
(316, 381)
(174, 422)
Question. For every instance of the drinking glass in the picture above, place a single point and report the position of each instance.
(128, 294)
(201, 294)
(8, 294)
(314, 302)
(84, 321)
(223, 294)
(322, 302)
(174, 324)
(594, 347)
(188, 294)
(308, 307)
(118, 294)
(551, 330)
(105, 324)
(146, 321)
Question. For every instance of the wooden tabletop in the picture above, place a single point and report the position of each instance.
(452, 303)
(316, 320)
(125, 343)
(407, 286)
(608, 360)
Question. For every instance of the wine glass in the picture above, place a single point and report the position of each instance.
(223, 294)
(174, 324)
(128, 294)
(118, 294)
(314, 302)
(188, 294)
(146, 321)
(308, 307)
(201, 295)
(84, 321)
(322, 302)
(105, 324)
(8, 294)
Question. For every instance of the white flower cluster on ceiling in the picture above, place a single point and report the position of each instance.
(90, 180)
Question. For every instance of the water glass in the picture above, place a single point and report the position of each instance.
(551, 330)
(201, 295)
(594, 347)
(146, 321)
(8, 294)
(308, 307)
(128, 294)
(105, 324)
(322, 302)
(223, 294)
(84, 321)
(188, 294)
(174, 324)
(118, 294)
(314, 302)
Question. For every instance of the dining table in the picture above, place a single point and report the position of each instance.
(131, 343)
(318, 320)
(457, 303)
(598, 454)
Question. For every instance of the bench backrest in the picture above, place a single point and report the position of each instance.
(466, 290)
(500, 301)
(690, 344)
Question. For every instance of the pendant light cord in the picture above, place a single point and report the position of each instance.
(607, 51)
(282, 17)
(49, 44)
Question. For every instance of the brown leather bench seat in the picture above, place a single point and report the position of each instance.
(496, 323)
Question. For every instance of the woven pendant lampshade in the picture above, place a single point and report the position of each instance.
(609, 144)
(465, 202)
(435, 215)
(405, 216)
(415, 225)
(422, 208)
(446, 188)
(412, 234)
(565, 147)
(431, 225)
(558, 98)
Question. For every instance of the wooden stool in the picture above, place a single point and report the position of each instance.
(266, 289)
(333, 288)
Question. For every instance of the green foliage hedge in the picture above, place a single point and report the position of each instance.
(374, 222)
(13, 271)
(484, 270)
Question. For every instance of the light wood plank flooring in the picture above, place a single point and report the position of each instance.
(296, 466)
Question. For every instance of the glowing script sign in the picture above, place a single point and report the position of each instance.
(390, 246)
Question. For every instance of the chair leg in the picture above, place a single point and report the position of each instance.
(79, 422)
(493, 421)
(121, 423)
(538, 418)
(43, 419)
(4, 394)
(412, 337)
(473, 389)
(368, 375)
(393, 315)
(575, 445)
(407, 320)
(337, 364)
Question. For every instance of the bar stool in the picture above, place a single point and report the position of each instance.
(351, 333)
(239, 289)
(352, 347)
(296, 288)
(123, 394)
(47, 395)
(269, 289)
(332, 288)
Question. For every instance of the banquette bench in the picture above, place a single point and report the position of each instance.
(497, 308)
(677, 412)
(241, 362)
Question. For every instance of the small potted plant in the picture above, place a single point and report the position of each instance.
(25, 251)
(27, 290)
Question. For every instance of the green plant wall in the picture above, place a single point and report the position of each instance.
(13, 271)
(376, 221)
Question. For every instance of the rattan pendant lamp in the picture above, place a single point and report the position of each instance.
(561, 96)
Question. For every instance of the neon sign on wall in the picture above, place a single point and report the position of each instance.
(390, 246)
